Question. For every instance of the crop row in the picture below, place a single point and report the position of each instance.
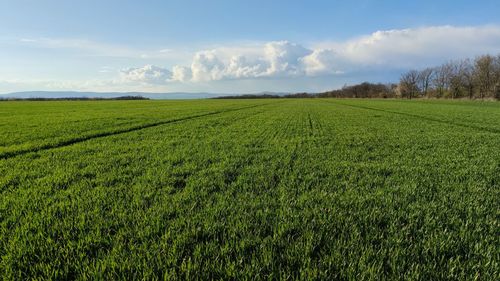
(307, 189)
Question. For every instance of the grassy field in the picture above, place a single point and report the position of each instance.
(250, 190)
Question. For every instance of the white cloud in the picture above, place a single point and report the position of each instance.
(148, 74)
(380, 51)
(82, 45)
(181, 73)
(27, 40)
(240, 67)
(102, 49)
(321, 61)
(416, 47)
(207, 66)
(285, 58)
(105, 69)
(273, 59)
(384, 50)
(108, 85)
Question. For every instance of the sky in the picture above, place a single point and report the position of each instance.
(233, 46)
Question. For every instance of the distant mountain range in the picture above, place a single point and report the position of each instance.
(159, 96)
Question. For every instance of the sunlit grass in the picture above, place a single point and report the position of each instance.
(257, 189)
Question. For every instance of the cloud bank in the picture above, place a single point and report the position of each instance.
(393, 49)
(277, 65)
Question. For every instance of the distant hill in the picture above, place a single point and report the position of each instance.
(75, 94)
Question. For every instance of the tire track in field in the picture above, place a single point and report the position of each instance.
(254, 147)
(233, 172)
(317, 131)
(263, 139)
(11, 154)
(452, 123)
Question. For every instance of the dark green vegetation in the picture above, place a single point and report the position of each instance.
(74, 98)
(250, 189)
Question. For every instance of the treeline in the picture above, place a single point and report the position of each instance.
(363, 90)
(74, 98)
(250, 96)
(473, 79)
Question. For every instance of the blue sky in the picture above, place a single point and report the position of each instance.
(233, 46)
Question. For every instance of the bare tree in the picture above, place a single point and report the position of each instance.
(408, 83)
(442, 78)
(497, 76)
(467, 72)
(456, 81)
(485, 75)
(462, 78)
(424, 80)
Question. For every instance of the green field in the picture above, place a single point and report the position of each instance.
(250, 190)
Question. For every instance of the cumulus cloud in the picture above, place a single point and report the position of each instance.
(390, 49)
(273, 59)
(181, 73)
(322, 61)
(207, 66)
(148, 74)
(240, 67)
(285, 58)
(417, 47)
